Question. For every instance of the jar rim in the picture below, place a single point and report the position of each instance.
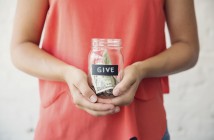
(106, 42)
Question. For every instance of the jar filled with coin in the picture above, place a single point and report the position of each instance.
(105, 65)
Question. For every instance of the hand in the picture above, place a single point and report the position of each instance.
(126, 89)
(84, 97)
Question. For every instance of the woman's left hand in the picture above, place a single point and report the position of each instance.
(126, 89)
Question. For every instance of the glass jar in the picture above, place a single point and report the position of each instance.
(105, 65)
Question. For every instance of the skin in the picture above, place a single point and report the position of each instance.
(26, 54)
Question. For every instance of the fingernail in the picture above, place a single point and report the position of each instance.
(116, 92)
(93, 98)
(117, 109)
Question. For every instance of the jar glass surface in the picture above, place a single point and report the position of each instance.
(105, 65)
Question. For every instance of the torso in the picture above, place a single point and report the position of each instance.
(70, 26)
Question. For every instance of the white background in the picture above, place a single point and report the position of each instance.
(190, 105)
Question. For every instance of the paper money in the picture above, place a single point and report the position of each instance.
(103, 83)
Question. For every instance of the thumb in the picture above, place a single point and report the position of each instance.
(123, 86)
(87, 92)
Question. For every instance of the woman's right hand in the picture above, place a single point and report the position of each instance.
(84, 97)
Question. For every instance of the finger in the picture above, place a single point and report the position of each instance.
(97, 106)
(86, 91)
(120, 100)
(103, 113)
(82, 102)
(124, 85)
(126, 98)
(104, 101)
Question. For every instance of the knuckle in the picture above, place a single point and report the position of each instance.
(76, 101)
(86, 92)
(78, 83)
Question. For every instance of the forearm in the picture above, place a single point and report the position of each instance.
(29, 58)
(183, 54)
(179, 57)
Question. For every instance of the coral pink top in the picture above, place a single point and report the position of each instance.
(69, 28)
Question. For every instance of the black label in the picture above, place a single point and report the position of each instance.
(133, 138)
(108, 70)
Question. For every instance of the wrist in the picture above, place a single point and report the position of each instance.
(66, 72)
(141, 70)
